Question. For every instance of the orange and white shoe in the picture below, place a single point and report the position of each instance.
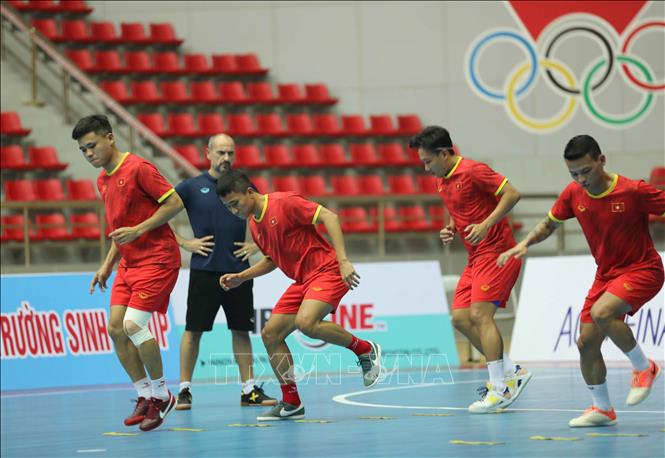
(594, 416)
(640, 386)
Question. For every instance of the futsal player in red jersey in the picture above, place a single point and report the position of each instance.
(138, 201)
(614, 214)
(478, 200)
(283, 226)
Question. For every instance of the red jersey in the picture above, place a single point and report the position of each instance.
(615, 223)
(469, 192)
(286, 233)
(132, 193)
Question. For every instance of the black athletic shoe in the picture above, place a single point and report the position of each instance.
(184, 400)
(256, 397)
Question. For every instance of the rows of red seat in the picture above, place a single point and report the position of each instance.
(51, 227)
(182, 124)
(77, 31)
(52, 7)
(10, 125)
(12, 157)
(148, 92)
(25, 190)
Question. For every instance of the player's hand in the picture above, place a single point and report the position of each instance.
(100, 278)
(476, 233)
(517, 252)
(124, 235)
(230, 281)
(246, 250)
(202, 246)
(447, 234)
(349, 274)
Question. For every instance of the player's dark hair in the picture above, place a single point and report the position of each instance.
(581, 145)
(233, 181)
(432, 138)
(98, 124)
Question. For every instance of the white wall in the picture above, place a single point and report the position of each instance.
(409, 57)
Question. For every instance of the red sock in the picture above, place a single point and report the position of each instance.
(359, 347)
(290, 394)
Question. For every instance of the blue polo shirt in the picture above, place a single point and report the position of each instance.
(209, 216)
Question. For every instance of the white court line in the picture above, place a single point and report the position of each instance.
(91, 450)
(343, 398)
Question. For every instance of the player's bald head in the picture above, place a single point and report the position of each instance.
(220, 141)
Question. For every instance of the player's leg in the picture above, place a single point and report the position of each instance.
(461, 318)
(189, 353)
(594, 372)
(238, 304)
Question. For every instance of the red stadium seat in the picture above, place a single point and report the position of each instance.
(47, 27)
(166, 62)
(174, 92)
(402, 184)
(290, 94)
(12, 228)
(354, 220)
(270, 124)
(181, 125)
(277, 156)
(74, 7)
(345, 185)
(82, 58)
(426, 184)
(412, 156)
(261, 93)
(391, 222)
(286, 183)
(233, 92)
(241, 124)
(248, 157)
(333, 155)
(75, 30)
(107, 61)
(354, 125)
(318, 94)
(363, 155)
(305, 155)
(193, 156)
(154, 122)
(19, 190)
(393, 155)
(197, 64)
(138, 62)
(314, 186)
(224, 64)
(45, 158)
(436, 216)
(248, 64)
(203, 92)
(371, 185)
(134, 33)
(327, 125)
(52, 226)
(413, 218)
(12, 158)
(408, 124)
(210, 124)
(382, 125)
(118, 90)
(44, 6)
(10, 124)
(81, 190)
(145, 92)
(261, 184)
(300, 124)
(164, 34)
(86, 226)
(50, 189)
(104, 32)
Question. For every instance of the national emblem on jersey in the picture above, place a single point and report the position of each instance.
(618, 207)
(273, 221)
(121, 182)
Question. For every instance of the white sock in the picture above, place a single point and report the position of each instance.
(187, 385)
(495, 369)
(508, 366)
(248, 386)
(638, 359)
(159, 389)
(600, 396)
(143, 388)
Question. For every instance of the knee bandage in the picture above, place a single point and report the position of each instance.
(140, 319)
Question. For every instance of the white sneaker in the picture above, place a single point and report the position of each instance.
(593, 416)
(517, 382)
(491, 401)
(371, 365)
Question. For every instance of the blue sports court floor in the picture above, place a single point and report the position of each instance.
(401, 418)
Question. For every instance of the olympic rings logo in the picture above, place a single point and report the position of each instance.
(561, 79)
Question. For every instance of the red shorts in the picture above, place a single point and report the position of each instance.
(484, 281)
(327, 287)
(635, 288)
(144, 288)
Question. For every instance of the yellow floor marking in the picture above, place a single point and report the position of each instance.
(543, 438)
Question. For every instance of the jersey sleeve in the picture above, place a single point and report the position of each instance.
(487, 179)
(301, 211)
(182, 189)
(562, 209)
(153, 183)
(651, 198)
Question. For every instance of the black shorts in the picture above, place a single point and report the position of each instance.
(205, 297)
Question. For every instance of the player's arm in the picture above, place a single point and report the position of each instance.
(331, 222)
(542, 231)
(509, 196)
(447, 234)
(264, 266)
(104, 272)
(170, 206)
(202, 246)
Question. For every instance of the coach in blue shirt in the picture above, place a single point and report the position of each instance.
(219, 247)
